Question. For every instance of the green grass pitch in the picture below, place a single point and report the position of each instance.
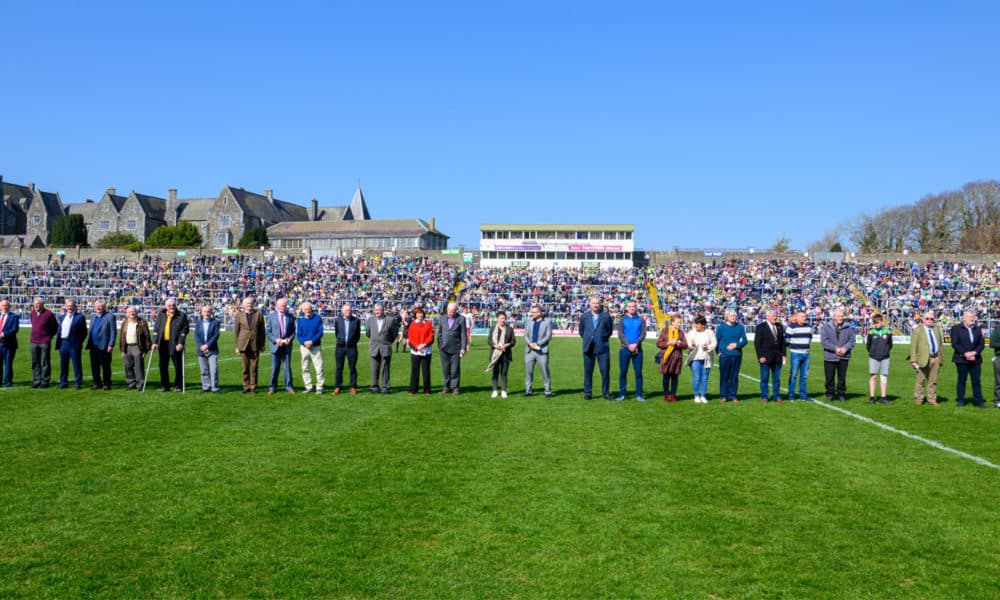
(128, 495)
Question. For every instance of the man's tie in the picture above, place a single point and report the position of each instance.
(933, 341)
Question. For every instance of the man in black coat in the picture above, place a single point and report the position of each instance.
(968, 343)
(769, 341)
(347, 328)
(169, 331)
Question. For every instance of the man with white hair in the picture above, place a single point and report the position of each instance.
(769, 342)
(452, 343)
(967, 341)
(280, 330)
(309, 331)
(347, 328)
(381, 331)
(837, 338)
(169, 331)
(44, 327)
(925, 357)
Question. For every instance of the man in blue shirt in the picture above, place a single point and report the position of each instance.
(631, 332)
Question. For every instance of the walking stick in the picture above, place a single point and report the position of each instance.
(184, 368)
(149, 363)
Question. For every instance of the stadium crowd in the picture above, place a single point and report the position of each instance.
(713, 306)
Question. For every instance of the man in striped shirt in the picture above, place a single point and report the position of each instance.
(798, 336)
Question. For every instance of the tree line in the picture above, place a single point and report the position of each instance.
(962, 220)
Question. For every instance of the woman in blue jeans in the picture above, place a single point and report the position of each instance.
(701, 343)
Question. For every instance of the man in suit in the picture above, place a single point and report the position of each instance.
(100, 343)
(968, 343)
(206, 340)
(44, 327)
(347, 328)
(69, 343)
(537, 334)
(280, 332)
(995, 344)
(595, 329)
(452, 343)
(250, 336)
(925, 357)
(169, 330)
(769, 342)
(9, 324)
(381, 330)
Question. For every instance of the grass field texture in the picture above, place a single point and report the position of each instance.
(121, 494)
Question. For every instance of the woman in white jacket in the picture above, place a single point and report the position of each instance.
(701, 344)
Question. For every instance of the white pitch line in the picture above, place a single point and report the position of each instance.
(912, 436)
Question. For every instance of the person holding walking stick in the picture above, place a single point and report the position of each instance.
(169, 331)
(134, 344)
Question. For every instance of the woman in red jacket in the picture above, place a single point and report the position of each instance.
(421, 335)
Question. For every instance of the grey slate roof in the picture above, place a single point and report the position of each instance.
(85, 208)
(359, 210)
(51, 203)
(257, 205)
(194, 209)
(350, 229)
(155, 208)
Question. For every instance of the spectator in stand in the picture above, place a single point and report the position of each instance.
(134, 343)
(702, 343)
(837, 338)
(769, 342)
(69, 344)
(798, 338)
(501, 341)
(672, 342)
(631, 333)
(44, 327)
(967, 341)
(309, 330)
(879, 344)
(925, 357)
(730, 338)
(420, 334)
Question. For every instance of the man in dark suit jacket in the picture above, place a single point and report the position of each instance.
(250, 337)
(69, 342)
(453, 339)
(595, 329)
(280, 330)
(381, 330)
(968, 343)
(100, 343)
(206, 341)
(347, 328)
(9, 324)
(769, 342)
(169, 331)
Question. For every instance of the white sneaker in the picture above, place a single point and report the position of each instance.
(503, 394)
(494, 394)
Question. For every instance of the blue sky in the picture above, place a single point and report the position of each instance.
(714, 124)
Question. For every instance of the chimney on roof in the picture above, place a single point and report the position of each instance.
(431, 224)
(112, 191)
(171, 216)
(270, 196)
(31, 186)
(314, 213)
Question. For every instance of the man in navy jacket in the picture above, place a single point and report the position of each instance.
(100, 342)
(206, 341)
(967, 340)
(595, 329)
(9, 324)
(69, 342)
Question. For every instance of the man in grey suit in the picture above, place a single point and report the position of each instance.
(452, 341)
(537, 333)
(381, 330)
(280, 330)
